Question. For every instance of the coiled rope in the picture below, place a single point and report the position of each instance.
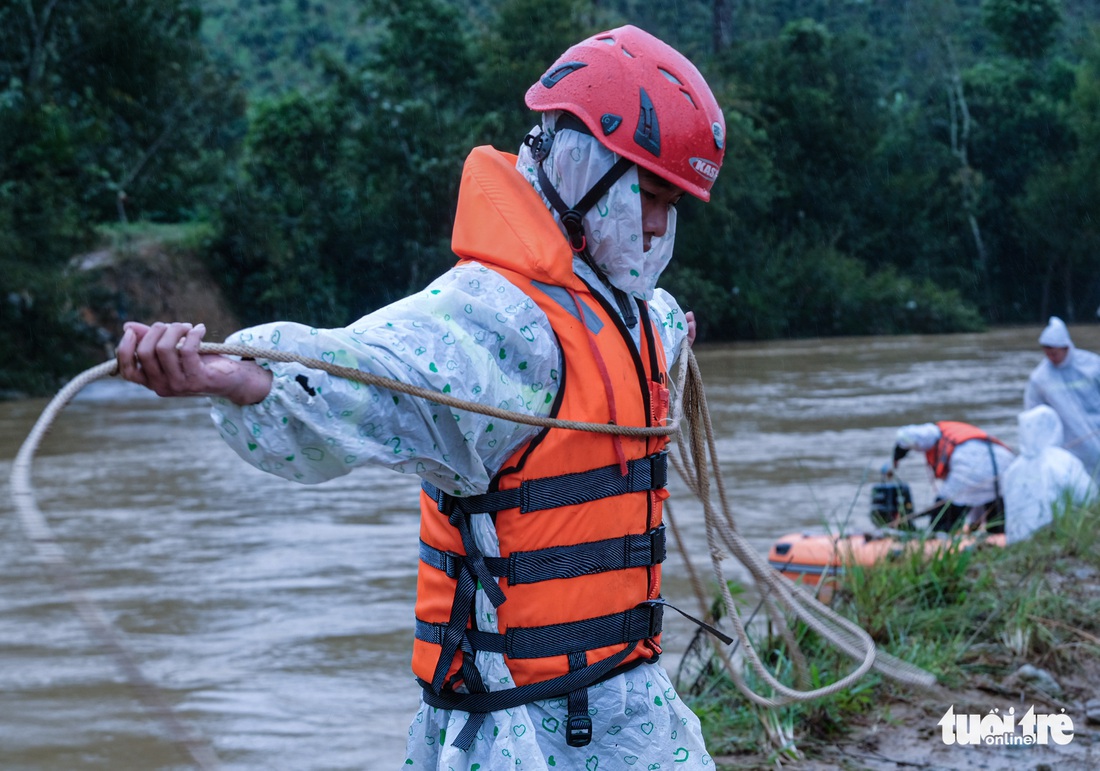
(698, 466)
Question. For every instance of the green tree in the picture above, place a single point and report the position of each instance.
(816, 101)
(282, 246)
(1024, 28)
(150, 118)
(512, 59)
(1020, 108)
(346, 197)
(1058, 210)
(106, 110)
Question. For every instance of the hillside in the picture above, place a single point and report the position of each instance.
(278, 45)
(152, 273)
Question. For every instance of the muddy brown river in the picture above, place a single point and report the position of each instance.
(280, 632)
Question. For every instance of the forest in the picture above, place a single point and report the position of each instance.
(892, 167)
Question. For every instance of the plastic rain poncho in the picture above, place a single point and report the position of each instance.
(1072, 389)
(1043, 476)
(971, 480)
(476, 336)
(575, 164)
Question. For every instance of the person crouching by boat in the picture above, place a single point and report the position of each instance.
(968, 465)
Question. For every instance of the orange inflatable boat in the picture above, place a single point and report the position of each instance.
(820, 559)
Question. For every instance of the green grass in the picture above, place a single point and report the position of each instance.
(962, 615)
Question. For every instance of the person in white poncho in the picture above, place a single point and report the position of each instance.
(1043, 477)
(967, 464)
(538, 609)
(1068, 380)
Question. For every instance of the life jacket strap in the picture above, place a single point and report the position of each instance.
(578, 723)
(472, 573)
(648, 473)
(480, 704)
(631, 626)
(632, 551)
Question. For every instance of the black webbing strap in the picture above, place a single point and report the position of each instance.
(599, 190)
(474, 684)
(452, 634)
(527, 567)
(572, 217)
(466, 736)
(572, 684)
(471, 573)
(703, 624)
(639, 623)
(649, 473)
(578, 724)
(482, 703)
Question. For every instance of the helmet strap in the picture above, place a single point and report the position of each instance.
(572, 217)
(573, 220)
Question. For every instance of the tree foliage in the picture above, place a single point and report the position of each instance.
(1024, 28)
(345, 197)
(109, 109)
(923, 167)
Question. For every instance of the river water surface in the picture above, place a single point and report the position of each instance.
(282, 633)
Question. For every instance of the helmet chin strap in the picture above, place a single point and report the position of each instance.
(572, 217)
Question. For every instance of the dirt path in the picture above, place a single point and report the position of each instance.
(904, 735)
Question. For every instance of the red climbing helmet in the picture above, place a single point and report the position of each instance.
(643, 100)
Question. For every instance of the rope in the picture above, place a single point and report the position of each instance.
(52, 555)
(698, 457)
(368, 378)
(698, 460)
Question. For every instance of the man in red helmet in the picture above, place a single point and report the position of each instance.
(538, 612)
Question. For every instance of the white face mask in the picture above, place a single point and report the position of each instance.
(613, 226)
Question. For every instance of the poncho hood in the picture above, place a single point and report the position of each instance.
(1039, 428)
(1055, 335)
(501, 220)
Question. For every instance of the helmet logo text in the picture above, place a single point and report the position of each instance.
(705, 168)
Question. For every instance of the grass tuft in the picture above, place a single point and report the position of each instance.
(966, 615)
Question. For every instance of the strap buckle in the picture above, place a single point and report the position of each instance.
(539, 144)
(658, 470)
(446, 505)
(573, 221)
(578, 730)
(656, 616)
(657, 550)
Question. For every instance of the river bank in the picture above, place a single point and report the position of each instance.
(1006, 631)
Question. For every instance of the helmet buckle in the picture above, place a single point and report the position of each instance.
(539, 144)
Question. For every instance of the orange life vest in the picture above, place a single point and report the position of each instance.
(952, 434)
(577, 583)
